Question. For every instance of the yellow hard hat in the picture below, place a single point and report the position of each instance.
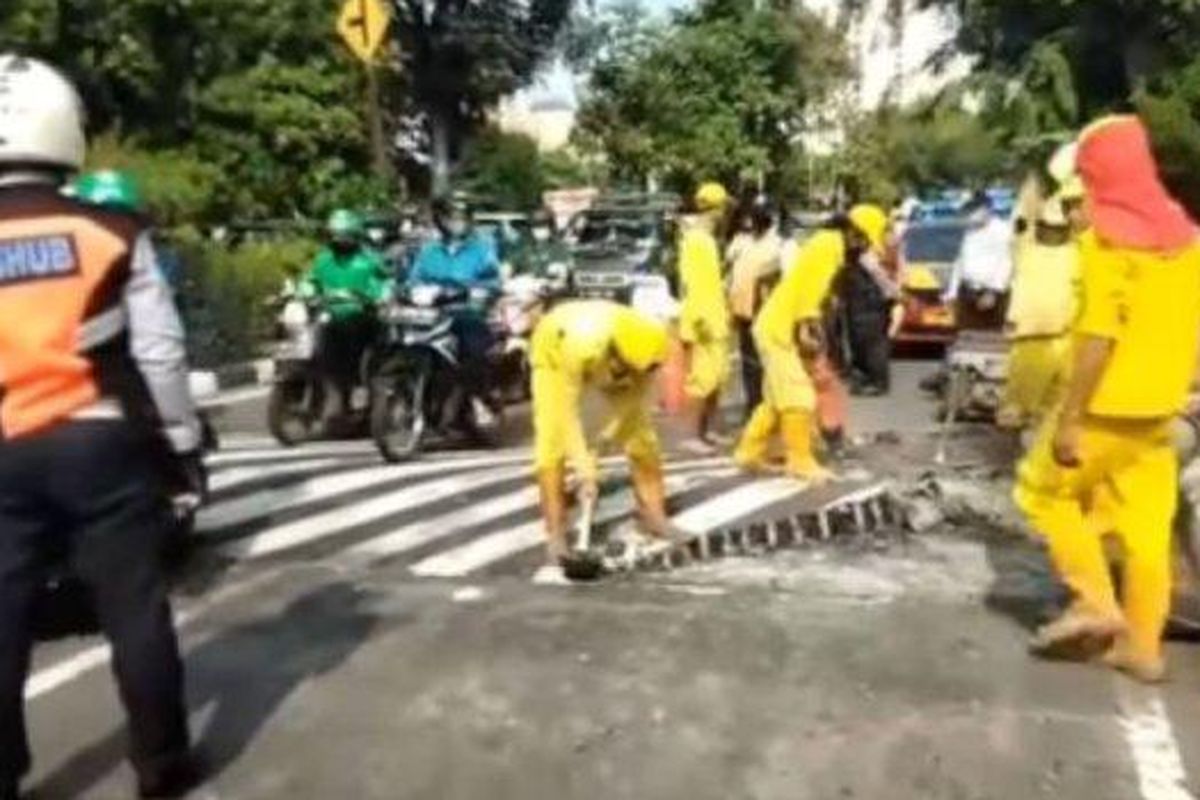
(640, 341)
(872, 221)
(921, 279)
(711, 196)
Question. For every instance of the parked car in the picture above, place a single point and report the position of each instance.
(618, 250)
(927, 254)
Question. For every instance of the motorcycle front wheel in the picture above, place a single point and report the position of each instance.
(294, 411)
(397, 419)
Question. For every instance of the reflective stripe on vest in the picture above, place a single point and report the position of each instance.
(62, 281)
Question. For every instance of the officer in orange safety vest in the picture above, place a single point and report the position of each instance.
(95, 417)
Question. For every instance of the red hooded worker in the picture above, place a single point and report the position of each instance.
(1136, 343)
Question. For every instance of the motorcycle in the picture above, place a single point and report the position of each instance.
(298, 404)
(419, 387)
(516, 313)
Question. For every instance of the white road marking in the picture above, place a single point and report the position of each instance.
(729, 506)
(479, 553)
(234, 476)
(418, 534)
(237, 455)
(410, 537)
(234, 396)
(1156, 756)
(330, 523)
(260, 504)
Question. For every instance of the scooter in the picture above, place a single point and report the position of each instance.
(298, 403)
(419, 387)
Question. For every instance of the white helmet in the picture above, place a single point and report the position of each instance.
(41, 116)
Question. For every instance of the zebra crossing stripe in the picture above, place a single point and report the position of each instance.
(261, 504)
(331, 523)
(487, 550)
(231, 478)
(418, 534)
(236, 456)
(426, 531)
(730, 506)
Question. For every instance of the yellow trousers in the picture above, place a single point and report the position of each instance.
(1129, 474)
(558, 431)
(708, 368)
(1037, 371)
(788, 406)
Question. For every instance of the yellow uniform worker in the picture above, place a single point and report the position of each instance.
(1040, 315)
(704, 324)
(1137, 342)
(613, 349)
(796, 304)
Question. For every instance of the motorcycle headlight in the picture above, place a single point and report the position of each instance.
(424, 295)
(415, 317)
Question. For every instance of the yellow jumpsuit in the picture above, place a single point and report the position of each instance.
(1148, 305)
(570, 351)
(789, 396)
(704, 314)
(1044, 305)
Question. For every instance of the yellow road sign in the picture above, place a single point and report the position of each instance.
(363, 24)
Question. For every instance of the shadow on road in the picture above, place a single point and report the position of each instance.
(1024, 587)
(241, 678)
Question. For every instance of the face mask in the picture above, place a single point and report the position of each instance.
(541, 235)
(343, 247)
(456, 228)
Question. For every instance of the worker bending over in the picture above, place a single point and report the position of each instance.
(1135, 354)
(704, 325)
(788, 334)
(614, 349)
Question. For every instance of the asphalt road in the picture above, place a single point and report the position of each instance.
(360, 630)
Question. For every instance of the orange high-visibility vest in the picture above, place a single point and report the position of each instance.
(63, 271)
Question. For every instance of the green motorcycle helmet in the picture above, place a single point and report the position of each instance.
(110, 189)
(345, 225)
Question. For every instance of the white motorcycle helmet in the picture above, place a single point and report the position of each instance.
(41, 116)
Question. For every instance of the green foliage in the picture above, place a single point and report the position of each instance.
(1173, 115)
(177, 185)
(892, 153)
(504, 169)
(719, 93)
(457, 59)
(226, 312)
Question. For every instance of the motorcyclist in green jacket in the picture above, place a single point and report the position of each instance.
(350, 279)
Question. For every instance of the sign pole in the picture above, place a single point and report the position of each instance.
(379, 156)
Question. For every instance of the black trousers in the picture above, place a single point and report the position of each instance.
(92, 487)
(870, 349)
(752, 371)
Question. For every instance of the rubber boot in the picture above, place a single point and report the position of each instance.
(551, 487)
(751, 453)
(798, 440)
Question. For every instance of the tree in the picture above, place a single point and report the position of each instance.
(457, 59)
(720, 92)
(1172, 112)
(260, 91)
(1114, 46)
(505, 169)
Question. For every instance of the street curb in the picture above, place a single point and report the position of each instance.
(207, 383)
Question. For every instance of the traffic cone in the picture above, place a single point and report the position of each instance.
(673, 377)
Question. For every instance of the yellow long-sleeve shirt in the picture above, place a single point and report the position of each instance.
(804, 289)
(704, 312)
